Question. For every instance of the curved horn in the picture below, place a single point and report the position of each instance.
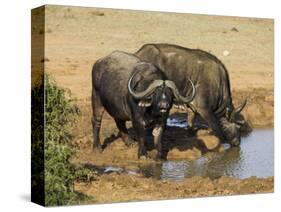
(238, 109)
(145, 93)
(241, 106)
(176, 93)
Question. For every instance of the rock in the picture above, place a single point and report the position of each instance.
(190, 154)
(226, 53)
(211, 142)
(234, 29)
(202, 132)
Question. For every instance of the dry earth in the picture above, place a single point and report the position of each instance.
(120, 188)
(76, 37)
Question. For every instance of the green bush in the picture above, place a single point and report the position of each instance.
(61, 115)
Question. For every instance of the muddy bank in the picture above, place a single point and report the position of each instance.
(259, 111)
(187, 156)
(126, 179)
(178, 144)
(122, 187)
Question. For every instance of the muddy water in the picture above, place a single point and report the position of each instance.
(254, 157)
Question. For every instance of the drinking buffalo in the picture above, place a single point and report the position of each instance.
(131, 90)
(213, 101)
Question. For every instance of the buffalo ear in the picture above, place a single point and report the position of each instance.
(144, 103)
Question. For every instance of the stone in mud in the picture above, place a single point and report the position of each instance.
(234, 29)
(190, 154)
(211, 142)
(202, 132)
(226, 53)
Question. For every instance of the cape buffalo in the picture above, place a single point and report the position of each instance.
(213, 101)
(131, 90)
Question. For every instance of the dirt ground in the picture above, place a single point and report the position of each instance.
(121, 188)
(76, 37)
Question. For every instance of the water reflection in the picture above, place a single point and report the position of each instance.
(177, 122)
(253, 158)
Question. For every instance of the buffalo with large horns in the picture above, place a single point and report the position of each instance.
(131, 90)
(213, 101)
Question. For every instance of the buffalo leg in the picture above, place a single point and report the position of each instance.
(157, 134)
(209, 117)
(140, 131)
(98, 111)
(121, 125)
(142, 153)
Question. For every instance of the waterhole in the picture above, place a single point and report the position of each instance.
(254, 157)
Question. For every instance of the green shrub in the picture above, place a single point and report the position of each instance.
(61, 115)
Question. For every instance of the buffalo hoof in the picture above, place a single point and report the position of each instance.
(97, 149)
(129, 142)
(160, 158)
